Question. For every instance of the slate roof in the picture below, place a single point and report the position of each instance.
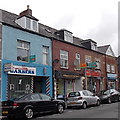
(103, 49)
(44, 30)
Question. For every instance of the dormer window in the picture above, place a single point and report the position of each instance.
(93, 46)
(68, 36)
(31, 24)
(27, 21)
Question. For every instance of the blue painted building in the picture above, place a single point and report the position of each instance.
(26, 56)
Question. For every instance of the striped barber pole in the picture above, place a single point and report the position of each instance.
(48, 86)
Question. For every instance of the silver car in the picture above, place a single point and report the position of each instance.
(82, 98)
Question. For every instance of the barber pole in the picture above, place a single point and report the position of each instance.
(48, 86)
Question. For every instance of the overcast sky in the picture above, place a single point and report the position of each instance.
(86, 19)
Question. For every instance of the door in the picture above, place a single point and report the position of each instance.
(37, 85)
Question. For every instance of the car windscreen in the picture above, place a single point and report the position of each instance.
(73, 94)
(106, 92)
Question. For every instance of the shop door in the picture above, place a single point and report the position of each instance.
(18, 85)
(69, 86)
(37, 85)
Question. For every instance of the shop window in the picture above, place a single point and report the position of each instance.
(23, 49)
(63, 59)
(45, 55)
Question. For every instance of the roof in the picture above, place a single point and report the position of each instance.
(103, 49)
(88, 40)
(44, 30)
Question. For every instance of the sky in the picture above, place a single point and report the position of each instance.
(86, 19)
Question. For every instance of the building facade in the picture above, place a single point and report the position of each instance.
(26, 58)
(37, 58)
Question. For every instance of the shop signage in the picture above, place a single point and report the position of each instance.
(112, 76)
(91, 73)
(8, 67)
(88, 65)
(32, 58)
(22, 70)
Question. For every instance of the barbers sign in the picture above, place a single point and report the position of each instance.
(22, 70)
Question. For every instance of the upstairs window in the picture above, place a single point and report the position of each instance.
(93, 46)
(108, 68)
(23, 49)
(34, 25)
(28, 23)
(31, 24)
(68, 37)
(112, 68)
(97, 60)
(63, 59)
(77, 61)
(45, 55)
(88, 59)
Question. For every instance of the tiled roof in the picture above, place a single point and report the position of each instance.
(103, 49)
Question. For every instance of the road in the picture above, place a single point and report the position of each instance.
(109, 111)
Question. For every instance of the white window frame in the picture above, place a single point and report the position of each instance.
(88, 59)
(112, 68)
(108, 67)
(77, 56)
(98, 62)
(46, 55)
(31, 24)
(23, 48)
(68, 37)
(63, 59)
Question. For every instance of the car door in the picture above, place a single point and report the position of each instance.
(49, 103)
(92, 98)
(86, 97)
(36, 102)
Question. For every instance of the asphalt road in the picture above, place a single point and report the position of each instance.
(103, 111)
(109, 111)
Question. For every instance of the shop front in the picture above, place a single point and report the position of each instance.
(67, 82)
(112, 81)
(21, 79)
(94, 79)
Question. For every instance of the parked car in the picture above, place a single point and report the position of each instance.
(82, 98)
(30, 104)
(110, 96)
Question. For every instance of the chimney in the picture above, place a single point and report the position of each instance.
(26, 12)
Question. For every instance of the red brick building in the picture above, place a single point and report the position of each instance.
(70, 55)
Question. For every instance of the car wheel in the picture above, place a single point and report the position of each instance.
(98, 103)
(60, 108)
(109, 100)
(84, 105)
(29, 113)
